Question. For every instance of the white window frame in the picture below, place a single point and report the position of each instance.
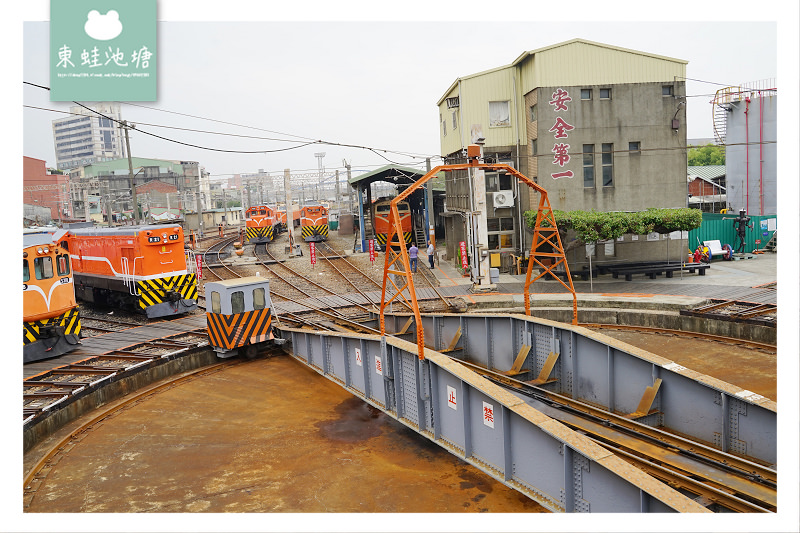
(498, 118)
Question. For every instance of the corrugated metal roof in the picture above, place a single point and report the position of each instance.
(602, 45)
(404, 175)
(553, 47)
(708, 172)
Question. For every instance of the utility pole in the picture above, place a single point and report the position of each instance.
(349, 188)
(319, 156)
(338, 197)
(429, 201)
(124, 125)
(289, 214)
(199, 204)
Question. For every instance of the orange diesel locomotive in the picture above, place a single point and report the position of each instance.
(314, 223)
(261, 224)
(51, 325)
(381, 210)
(143, 268)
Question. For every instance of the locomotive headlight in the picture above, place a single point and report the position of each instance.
(39, 250)
(164, 236)
(47, 250)
(24, 255)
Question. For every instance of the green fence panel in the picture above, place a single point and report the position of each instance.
(721, 227)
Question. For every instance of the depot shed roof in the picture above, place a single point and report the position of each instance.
(398, 175)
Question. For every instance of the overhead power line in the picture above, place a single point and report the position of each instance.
(310, 140)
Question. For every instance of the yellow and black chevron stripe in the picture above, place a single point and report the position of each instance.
(241, 329)
(311, 231)
(381, 237)
(254, 233)
(70, 321)
(154, 291)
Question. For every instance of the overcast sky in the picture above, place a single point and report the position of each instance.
(371, 84)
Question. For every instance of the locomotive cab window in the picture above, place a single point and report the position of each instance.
(237, 302)
(62, 265)
(384, 208)
(262, 212)
(43, 266)
(259, 299)
(215, 307)
(26, 271)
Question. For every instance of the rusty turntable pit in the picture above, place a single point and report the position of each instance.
(265, 436)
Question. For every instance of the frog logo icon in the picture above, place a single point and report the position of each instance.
(103, 27)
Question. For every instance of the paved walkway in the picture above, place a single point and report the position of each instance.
(752, 280)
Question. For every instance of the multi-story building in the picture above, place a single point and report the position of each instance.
(85, 137)
(597, 126)
(42, 189)
(110, 181)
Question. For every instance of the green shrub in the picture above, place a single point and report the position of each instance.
(593, 226)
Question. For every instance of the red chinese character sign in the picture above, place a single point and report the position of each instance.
(560, 130)
(463, 247)
(312, 253)
(199, 259)
(452, 401)
(372, 250)
(488, 415)
(560, 99)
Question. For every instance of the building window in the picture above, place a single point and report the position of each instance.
(455, 121)
(588, 165)
(605, 94)
(498, 181)
(666, 90)
(635, 146)
(534, 146)
(444, 128)
(499, 115)
(533, 113)
(607, 161)
(586, 94)
(500, 232)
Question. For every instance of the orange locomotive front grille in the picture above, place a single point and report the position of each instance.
(240, 329)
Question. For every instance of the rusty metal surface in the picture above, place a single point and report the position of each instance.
(298, 444)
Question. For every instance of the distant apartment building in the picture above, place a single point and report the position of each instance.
(597, 126)
(85, 137)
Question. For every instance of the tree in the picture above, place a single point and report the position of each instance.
(710, 154)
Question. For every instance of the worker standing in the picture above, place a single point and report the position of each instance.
(430, 253)
(412, 255)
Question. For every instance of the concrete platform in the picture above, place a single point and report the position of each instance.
(734, 280)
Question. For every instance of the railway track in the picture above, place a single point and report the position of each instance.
(714, 477)
(53, 387)
(337, 311)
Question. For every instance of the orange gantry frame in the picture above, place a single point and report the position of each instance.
(545, 237)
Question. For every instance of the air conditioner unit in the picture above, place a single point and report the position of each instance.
(503, 199)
